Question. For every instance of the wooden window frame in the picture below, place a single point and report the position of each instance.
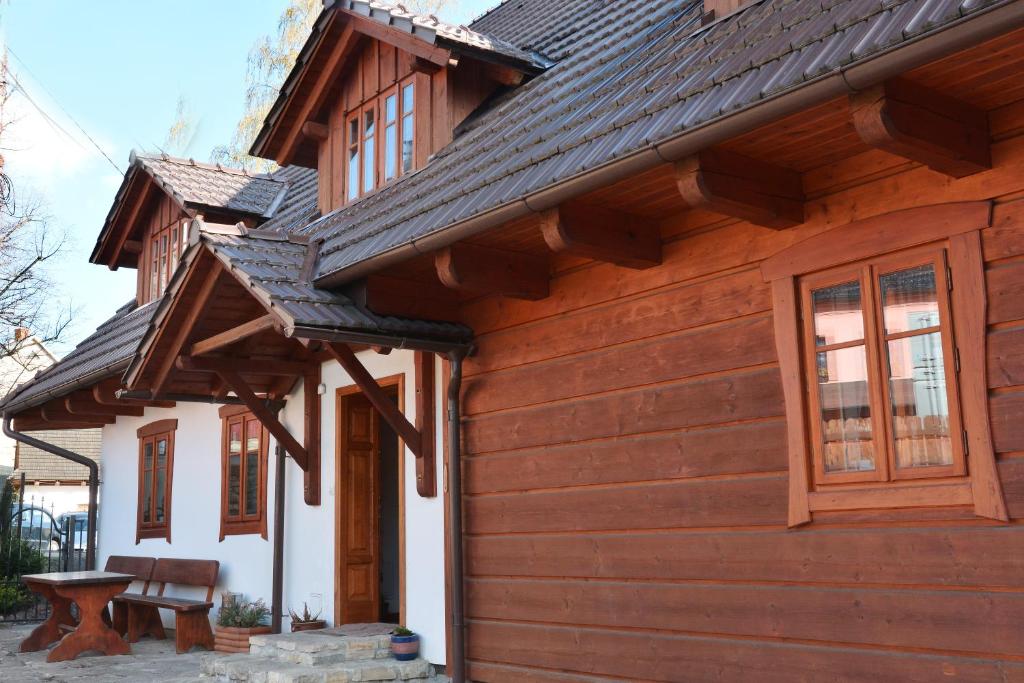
(158, 275)
(956, 229)
(378, 105)
(151, 433)
(243, 524)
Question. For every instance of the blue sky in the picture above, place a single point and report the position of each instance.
(118, 67)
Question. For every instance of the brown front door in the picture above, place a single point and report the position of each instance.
(358, 500)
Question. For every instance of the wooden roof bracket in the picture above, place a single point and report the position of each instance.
(418, 440)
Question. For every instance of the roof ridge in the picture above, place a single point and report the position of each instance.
(143, 157)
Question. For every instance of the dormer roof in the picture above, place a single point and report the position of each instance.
(333, 39)
(195, 187)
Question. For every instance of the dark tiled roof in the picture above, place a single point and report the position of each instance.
(271, 267)
(432, 30)
(552, 28)
(104, 353)
(203, 185)
(299, 205)
(633, 79)
(42, 466)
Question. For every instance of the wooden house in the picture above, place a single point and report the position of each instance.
(663, 341)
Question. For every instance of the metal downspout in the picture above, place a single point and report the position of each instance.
(457, 667)
(94, 480)
(277, 590)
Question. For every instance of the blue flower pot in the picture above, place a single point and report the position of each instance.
(405, 648)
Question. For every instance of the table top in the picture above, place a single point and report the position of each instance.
(78, 578)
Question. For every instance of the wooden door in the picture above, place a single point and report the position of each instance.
(358, 498)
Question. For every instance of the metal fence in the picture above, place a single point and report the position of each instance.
(35, 538)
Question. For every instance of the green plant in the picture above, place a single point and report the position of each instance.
(19, 557)
(7, 504)
(402, 631)
(305, 618)
(14, 599)
(241, 614)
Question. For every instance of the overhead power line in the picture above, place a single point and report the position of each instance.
(45, 115)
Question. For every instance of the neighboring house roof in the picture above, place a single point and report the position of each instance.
(29, 357)
(633, 78)
(103, 354)
(42, 466)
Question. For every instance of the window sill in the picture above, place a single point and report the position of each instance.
(153, 532)
(244, 529)
(891, 496)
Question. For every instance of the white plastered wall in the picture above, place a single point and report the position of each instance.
(247, 561)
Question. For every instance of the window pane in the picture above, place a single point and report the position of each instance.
(838, 314)
(910, 299)
(369, 155)
(390, 109)
(147, 480)
(252, 486)
(408, 101)
(353, 173)
(252, 435)
(161, 479)
(390, 151)
(163, 263)
(234, 484)
(920, 410)
(846, 425)
(407, 143)
(235, 438)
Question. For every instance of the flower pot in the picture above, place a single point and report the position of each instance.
(308, 625)
(405, 648)
(233, 639)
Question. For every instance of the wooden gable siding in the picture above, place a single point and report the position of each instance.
(626, 471)
(163, 213)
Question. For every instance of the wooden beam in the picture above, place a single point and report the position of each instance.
(314, 130)
(266, 417)
(380, 400)
(407, 298)
(923, 125)
(483, 270)
(57, 413)
(132, 247)
(183, 331)
(235, 334)
(311, 434)
(749, 189)
(244, 366)
(86, 406)
(400, 39)
(426, 469)
(603, 235)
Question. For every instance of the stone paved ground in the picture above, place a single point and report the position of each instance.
(151, 661)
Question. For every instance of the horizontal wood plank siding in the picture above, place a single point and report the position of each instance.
(626, 471)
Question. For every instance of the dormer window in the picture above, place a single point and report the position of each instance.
(165, 248)
(380, 140)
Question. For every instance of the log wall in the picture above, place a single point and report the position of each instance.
(626, 472)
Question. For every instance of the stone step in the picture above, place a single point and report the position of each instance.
(327, 646)
(242, 668)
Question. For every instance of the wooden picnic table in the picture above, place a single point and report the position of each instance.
(91, 591)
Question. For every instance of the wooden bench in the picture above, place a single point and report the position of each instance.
(141, 567)
(191, 617)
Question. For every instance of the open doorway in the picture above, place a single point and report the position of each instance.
(369, 584)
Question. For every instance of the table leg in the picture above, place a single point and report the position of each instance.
(92, 633)
(60, 615)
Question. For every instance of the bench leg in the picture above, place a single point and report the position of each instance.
(192, 629)
(144, 620)
(119, 620)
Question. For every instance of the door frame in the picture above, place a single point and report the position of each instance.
(397, 380)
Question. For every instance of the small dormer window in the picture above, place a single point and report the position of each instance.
(165, 248)
(380, 140)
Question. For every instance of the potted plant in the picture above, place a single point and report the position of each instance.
(306, 621)
(236, 621)
(405, 645)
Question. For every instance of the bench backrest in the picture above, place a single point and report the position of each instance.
(141, 567)
(186, 573)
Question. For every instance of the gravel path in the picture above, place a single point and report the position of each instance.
(151, 661)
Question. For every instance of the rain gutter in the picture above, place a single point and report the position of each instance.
(94, 480)
(942, 42)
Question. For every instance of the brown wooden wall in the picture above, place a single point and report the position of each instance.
(162, 212)
(626, 472)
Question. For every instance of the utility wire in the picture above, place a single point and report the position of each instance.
(49, 118)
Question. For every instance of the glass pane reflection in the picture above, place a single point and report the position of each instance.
(846, 424)
(920, 409)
